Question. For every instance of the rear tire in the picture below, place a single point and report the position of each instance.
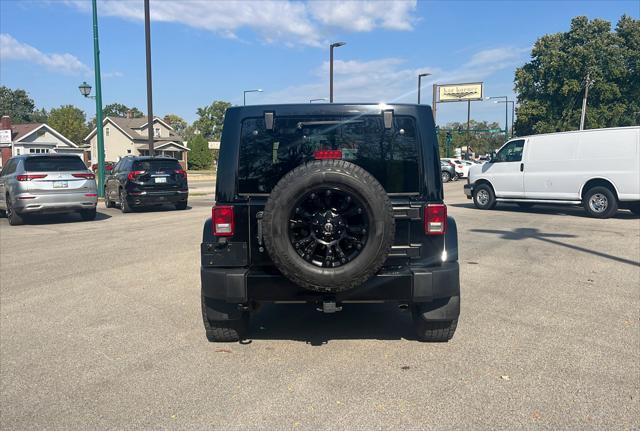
(483, 197)
(600, 202)
(224, 331)
(434, 331)
(181, 206)
(88, 215)
(108, 203)
(446, 177)
(124, 205)
(14, 218)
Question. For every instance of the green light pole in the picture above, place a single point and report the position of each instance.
(85, 90)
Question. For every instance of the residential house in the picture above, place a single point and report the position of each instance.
(129, 137)
(33, 138)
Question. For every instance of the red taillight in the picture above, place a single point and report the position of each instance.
(86, 176)
(327, 154)
(182, 172)
(91, 195)
(30, 177)
(435, 219)
(223, 224)
(133, 174)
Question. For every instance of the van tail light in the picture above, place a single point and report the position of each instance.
(435, 219)
(182, 173)
(327, 154)
(223, 223)
(133, 174)
(86, 176)
(30, 177)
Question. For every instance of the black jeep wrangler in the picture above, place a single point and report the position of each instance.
(329, 204)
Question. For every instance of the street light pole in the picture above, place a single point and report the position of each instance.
(587, 83)
(147, 36)
(96, 67)
(513, 111)
(419, 84)
(244, 95)
(506, 113)
(331, 47)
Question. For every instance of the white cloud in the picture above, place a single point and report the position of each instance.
(389, 80)
(12, 49)
(286, 21)
(365, 15)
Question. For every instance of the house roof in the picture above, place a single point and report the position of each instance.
(21, 131)
(132, 127)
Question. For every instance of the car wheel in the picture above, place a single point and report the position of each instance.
(88, 215)
(328, 225)
(108, 203)
(124, 205)
(600, 202)
(181, 206)
(438, 331)
(15, 219)
(446, 177)
(483, 197)
(229, 325)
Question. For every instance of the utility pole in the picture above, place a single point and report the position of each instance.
(587, 84)
(147, 34)
(420, 84)
(434, 101)
(468, 127)
(96, 62)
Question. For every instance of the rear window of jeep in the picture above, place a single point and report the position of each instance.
(390, 155)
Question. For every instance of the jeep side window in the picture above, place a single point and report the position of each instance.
(512, 152)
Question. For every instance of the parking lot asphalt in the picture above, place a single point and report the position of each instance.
(100, 328)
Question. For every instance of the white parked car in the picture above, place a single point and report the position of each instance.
(597, 168)
(461, 166)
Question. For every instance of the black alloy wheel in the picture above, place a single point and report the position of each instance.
(328, 227)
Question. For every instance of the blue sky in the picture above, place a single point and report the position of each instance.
(213, 50)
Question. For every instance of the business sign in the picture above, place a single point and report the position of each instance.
(5, 136)
(460, 92)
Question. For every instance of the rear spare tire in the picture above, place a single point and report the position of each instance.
(328, 225)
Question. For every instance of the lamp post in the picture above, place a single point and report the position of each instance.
(85, 90)
(506, 113)
(147, 38)
(317, 100)
(244, 95)
(513, 111)
(419, 84)
(331, 47)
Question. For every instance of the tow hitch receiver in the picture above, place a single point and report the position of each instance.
(329, 307)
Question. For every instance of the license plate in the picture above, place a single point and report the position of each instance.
(160, 180)
(60, 184)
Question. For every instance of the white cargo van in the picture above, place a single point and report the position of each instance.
(597, 168)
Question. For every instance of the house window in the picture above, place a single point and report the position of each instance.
(17, 151)
(106, 131)
(128, 151)
(38, 150)
(156, 132)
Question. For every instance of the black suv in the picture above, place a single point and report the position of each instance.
(328, 204)
(145, 181)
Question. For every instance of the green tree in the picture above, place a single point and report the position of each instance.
(70, 121)
(18, 105)
(120, 110)
(175, 121)
(479, 139)
(211, 119)
(200, 156)
(550, 87)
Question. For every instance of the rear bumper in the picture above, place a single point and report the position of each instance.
(157, 197)
(468, 190)
(26, 203)
(417, 284)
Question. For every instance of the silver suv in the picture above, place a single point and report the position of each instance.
(50, 183)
